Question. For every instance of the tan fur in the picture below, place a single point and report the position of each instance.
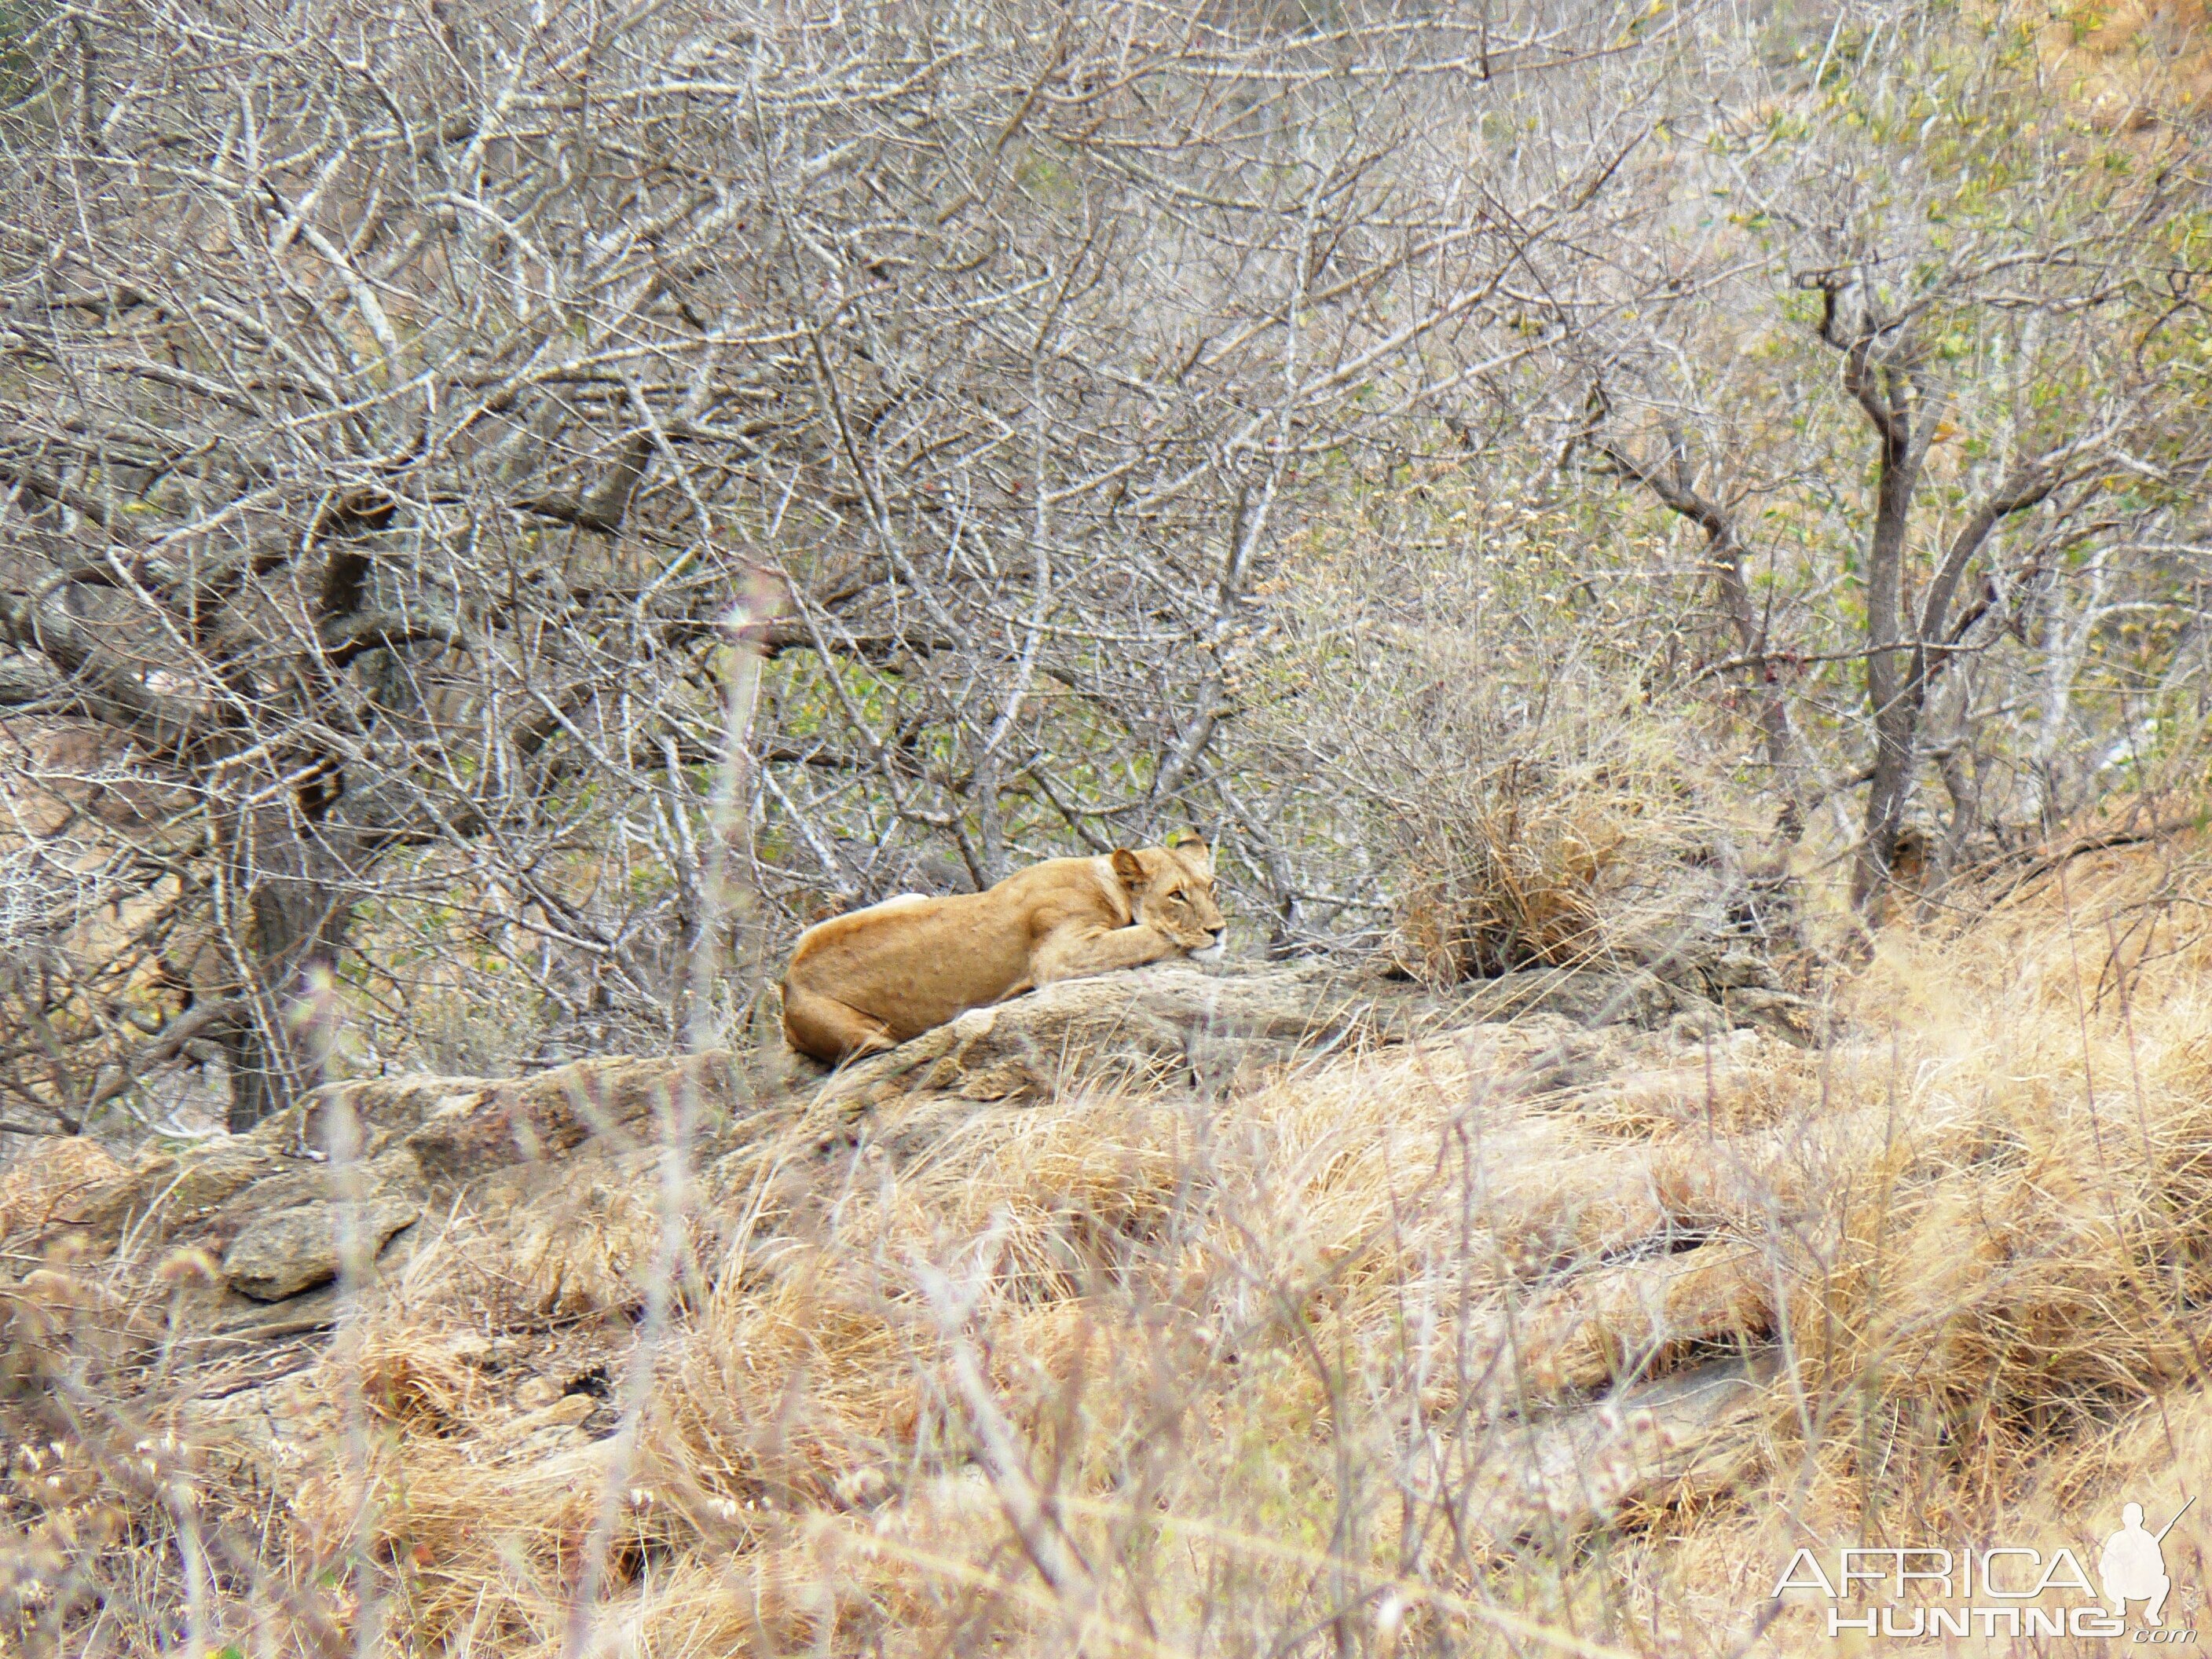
(875, 978)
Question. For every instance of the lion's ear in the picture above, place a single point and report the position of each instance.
(1190, 846)
(1129, 867)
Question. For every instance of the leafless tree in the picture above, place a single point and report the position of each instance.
(394, 407)
(2004, 309)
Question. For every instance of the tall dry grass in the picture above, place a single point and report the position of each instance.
(1574, 829)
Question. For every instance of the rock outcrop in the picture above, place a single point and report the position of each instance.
(1178, 1022)
(1173, 1022)
(357, 1164)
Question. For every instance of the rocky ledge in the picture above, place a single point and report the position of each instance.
(274, 1213)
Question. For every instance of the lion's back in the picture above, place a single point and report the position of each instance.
(915, 961)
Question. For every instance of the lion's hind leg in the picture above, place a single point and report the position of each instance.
(829, 1030)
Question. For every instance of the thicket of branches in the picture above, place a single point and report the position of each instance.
(407, 419)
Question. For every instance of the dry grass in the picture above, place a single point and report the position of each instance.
(1307, 1369)
(1586, 830)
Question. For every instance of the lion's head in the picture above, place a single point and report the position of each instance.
(1171, 889)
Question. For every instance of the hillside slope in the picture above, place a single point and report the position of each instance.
(1329, 1318)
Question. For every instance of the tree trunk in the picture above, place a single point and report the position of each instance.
(282, 922)
(1895, 728)
(1893, 692)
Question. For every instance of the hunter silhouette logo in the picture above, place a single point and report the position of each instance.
(2132, 1566)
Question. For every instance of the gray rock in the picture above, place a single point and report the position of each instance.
(617, 1103)
(1176, 1021)
(281, 1255)
(1589, 997)
(1560, 1473)
(1171, 1021)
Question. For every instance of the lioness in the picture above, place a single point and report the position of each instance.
(875, 978)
